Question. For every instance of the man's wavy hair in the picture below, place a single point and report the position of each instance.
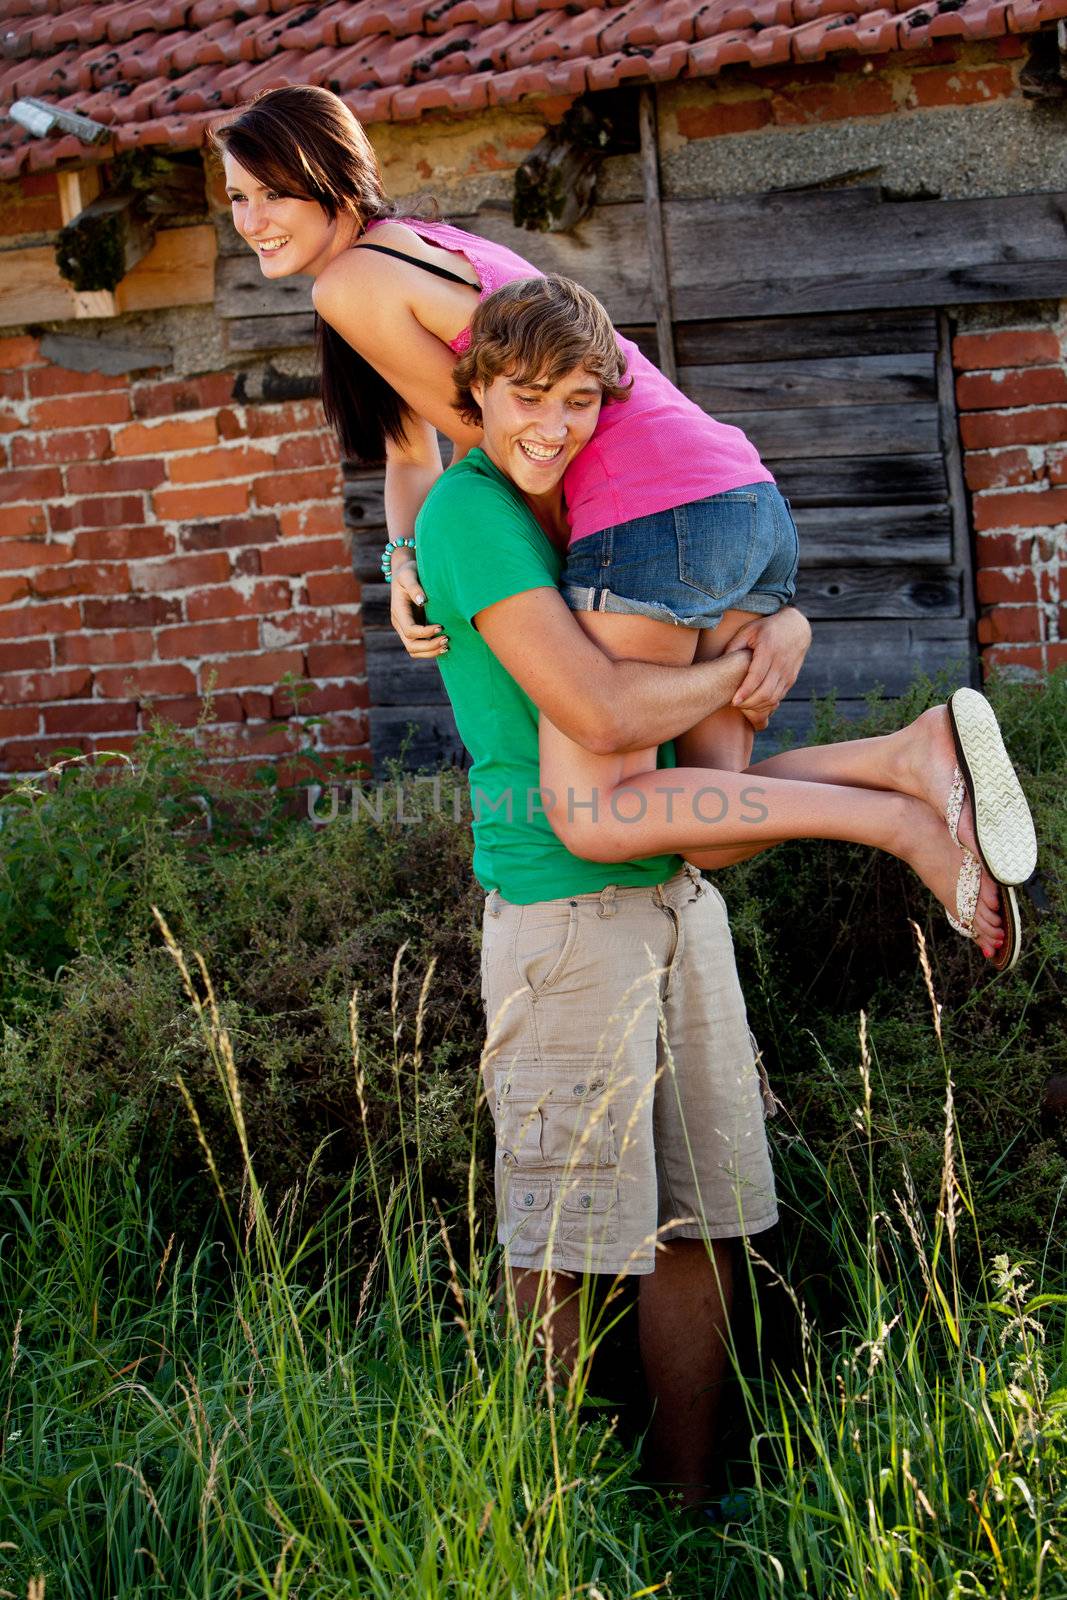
(536, 330)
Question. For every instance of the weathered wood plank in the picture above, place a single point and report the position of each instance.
(875, 535)
(867, 591)
(241, 290)
(364, 494)
(424, 736)
(374, 601)
(272, 332)
(802, 338)
(819, 432)
(854, 657)
(396, 679)
(861, 480)
(840, 381)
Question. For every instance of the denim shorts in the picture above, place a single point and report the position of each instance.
(735, 551)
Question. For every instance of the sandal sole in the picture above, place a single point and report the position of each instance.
(1008, 954)
(1004, 827)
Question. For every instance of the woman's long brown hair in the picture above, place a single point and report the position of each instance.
(305, 144)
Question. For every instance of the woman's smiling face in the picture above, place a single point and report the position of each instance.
(533, 430)
(287, 234)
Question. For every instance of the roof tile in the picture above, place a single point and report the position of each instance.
(157, 16)
(649, 22)
(444, 14)
(83, 27)
(206, 12)
(396, 17)
(549, 77)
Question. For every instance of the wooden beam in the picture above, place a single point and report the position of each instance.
(179, 270)
(654, 237)
(76, 191)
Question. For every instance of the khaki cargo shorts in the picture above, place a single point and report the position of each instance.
(625, 1087)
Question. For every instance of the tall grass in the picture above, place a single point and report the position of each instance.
(276, 1415)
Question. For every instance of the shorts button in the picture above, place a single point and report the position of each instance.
(586, 1201)
(528, 1198)
(579, 1089)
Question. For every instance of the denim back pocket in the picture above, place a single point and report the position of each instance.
(718, 543)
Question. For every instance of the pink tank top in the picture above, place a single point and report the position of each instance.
(651, 452)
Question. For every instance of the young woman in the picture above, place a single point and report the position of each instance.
(678, 545)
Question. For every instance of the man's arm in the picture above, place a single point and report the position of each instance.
(605, 706)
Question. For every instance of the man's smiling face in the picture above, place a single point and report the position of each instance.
(533, 430)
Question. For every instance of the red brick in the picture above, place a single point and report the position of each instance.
(33, 483)
(121, 544)
(9, 422)
(82, 577)
(19, 720)
(833, 101)
(1009, 625)
(133, 611)
(1040, 509)
(265, 422)
(229, 534)
(109, 477)
(180, 572)
(266, 667)
(300, 627)
(30, 755)
(75, 444)
(246, 562)
(231, 423)
(335, 661)
(728, 116)
(326, 697)
(1007, 588)
(311, 555)
(213, 466)
(257, 705)
(71, 683)
(12, 385)
(1057, 466)
(303, 522)
(20, 521)
(1022, 347)
(25, 655)
(182, 394)
(332, 589)
(999, 469)
(16, 553)
(159, 438)
(76, 411)
(990, 391)
(115, 683)
(952, 86)
(31, 621)
(13, 589)
(22, 214)
(42, 383)
(97, 511)
(218, 500)
(93, 717)
(103, 649)
(1043, 425)
(306, 450)
(1032, 656)
(207, 639)
(263, 599)
(288, 488)
(185, 711)
(19, 351)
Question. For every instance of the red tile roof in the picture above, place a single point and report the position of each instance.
(157, 71)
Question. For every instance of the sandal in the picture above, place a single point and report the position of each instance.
(969, 883)
(1003, 826)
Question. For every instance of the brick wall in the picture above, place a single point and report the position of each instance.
(161, 540)
(1011, 389)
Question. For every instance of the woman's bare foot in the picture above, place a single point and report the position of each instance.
(926, 845)
(924, 762)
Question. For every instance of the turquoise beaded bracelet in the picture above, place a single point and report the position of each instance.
(387, 556)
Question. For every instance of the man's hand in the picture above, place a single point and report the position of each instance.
(779, 644)
(421, 640)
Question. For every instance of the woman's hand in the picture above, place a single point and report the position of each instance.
(420, 639)
(779, 644)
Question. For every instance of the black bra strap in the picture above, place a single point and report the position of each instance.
(427, 266)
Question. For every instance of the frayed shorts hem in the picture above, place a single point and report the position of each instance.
(605, 601)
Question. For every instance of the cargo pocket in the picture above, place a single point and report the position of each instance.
(578, 1122)
(589, 1212)
(528, 1204)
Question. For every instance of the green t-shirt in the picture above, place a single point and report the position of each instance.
(478, 543)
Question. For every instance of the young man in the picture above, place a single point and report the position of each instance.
(619, 1065)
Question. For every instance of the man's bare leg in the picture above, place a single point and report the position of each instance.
(553, 1299)
(683, 1323)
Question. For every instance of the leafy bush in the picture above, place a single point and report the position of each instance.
(291, 919)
